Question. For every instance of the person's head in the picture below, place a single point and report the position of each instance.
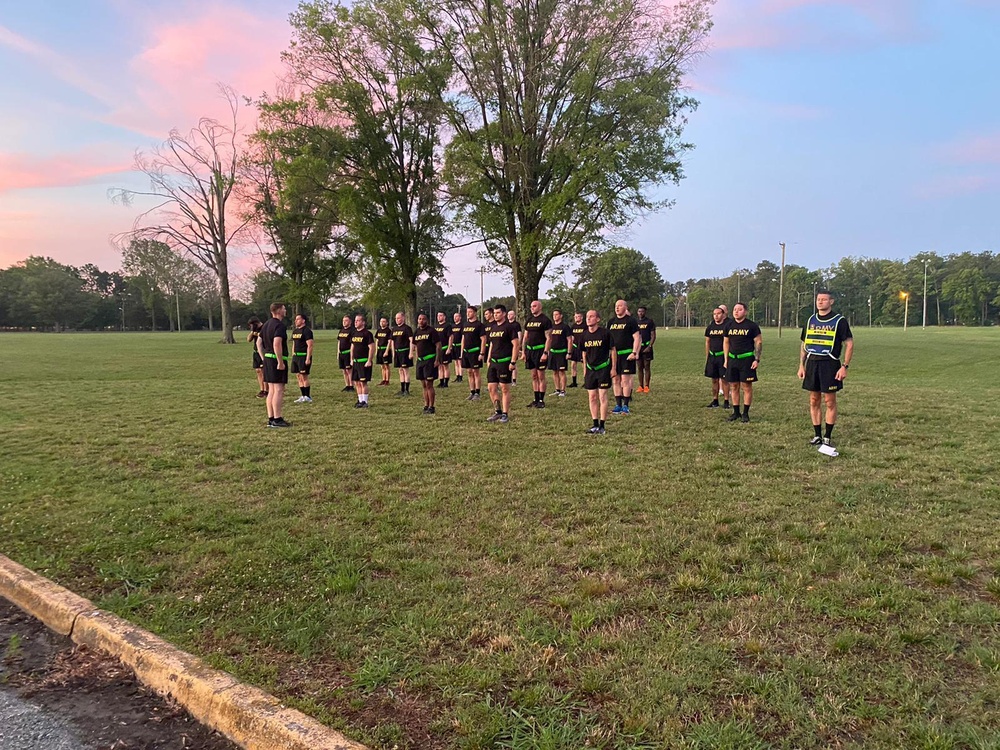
(360, 322)
(456, 318)
(824, 301)
(346, 322)
(536, 308)
(511, 316)
(592, 319)
(621, 308)
(277, 309)
(739, 311)
(301, 321)
(500, 313)
(578, 317)
(471, 313)
(557, 315)
(383, 322)
(488, 314)
(642, 313)
(725, 310)
(254, 323)
(400, 318)
(422, 320)
(718, 315)
(442, 318)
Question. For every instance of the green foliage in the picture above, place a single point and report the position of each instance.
(619, 273)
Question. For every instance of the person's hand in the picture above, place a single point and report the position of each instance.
(841, 373)
(281, 364)
(753, 365)
(802, 372)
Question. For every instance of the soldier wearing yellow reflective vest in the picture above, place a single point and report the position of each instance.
(824, 337)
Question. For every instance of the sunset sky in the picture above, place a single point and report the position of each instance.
(841, 127)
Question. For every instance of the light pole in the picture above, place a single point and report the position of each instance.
(905, 296)
(798, 307)
(869, 311)
(923, 318)
(781, 287)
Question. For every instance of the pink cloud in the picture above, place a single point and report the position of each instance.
(956, 186)
(22, 171)
(977, 149)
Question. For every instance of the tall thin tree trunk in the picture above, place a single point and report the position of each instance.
(177, 298)
(226, 302)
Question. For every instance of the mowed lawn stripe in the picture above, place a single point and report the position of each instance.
(434, 581)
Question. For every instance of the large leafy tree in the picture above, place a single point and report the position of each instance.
(620, 273)
(364, 65)
(565, 115)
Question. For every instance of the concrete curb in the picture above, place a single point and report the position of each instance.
(249, 717)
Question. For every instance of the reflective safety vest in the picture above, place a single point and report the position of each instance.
(820, 335)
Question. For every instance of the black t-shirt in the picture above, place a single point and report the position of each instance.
(646, 327)
(843, 331)
(622, 330)
(516, 326)
(382, 337)
(456, 335)
(443, 332)
(300, 339)
(274, 329)
(741, 336)
(535, 328)
(344, 339)
(596, 347)
(401, 336)
(558, 337)
(715, 332)
(472, 336)
(254, 335)
(361, 342)
(426, 340)
(501, 338)
(578, 331)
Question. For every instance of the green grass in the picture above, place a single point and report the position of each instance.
(437, 582)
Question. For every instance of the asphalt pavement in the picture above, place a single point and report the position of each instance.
(25, 726)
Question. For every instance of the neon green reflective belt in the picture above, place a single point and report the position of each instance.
(558, 351)
(301, 354)
(502, 361)
(472, 351)
(740, 356)
(359, 359)
(599, 367)
(429, 356)
(533, 348)
(716, 354)
(345, 351)
(625, 351)
(383, 348)
(275, 356)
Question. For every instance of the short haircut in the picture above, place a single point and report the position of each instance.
(473, 308)
(304, 317)
(557, 310)
(275, 306)
(640, 307)
(254, 321)
(825, 291)
(501, 307)
(740, 303)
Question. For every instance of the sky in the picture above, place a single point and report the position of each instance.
(839, 127)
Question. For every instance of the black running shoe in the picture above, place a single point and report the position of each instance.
(745, 418)
(280, 422)
(713, 405)
(816, 440)
(733, 418)
(431, 410)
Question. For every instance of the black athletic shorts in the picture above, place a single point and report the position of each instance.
(557, 361)
(499, 373)
(401, 359)
(257, 361)
(576, 355)
(715, 367)
(821, 375)
(427, 370)
(626, 366)
(533, 359)
(445, 356)
(597, 379)
(646, 354)
(361, 372)
(299, 366)
(455, 353)
(471, 361)
(271, 372)
(380, 358)
(739, 371)
(344, 360)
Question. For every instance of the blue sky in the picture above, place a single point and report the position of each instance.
(840, 127)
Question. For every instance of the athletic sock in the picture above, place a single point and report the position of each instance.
(601, 424)
(618, 401)
(309, 391)
(829, 430)
(818, 429)
(736, 410)
(446, 382)
(302, 390)
(364, 399)
(496, 405)
(597, 423)
(746, 409)
(715, 402)
(574, 380)
(627, 400)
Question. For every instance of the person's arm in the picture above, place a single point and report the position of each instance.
(437, 353)
(548, 343)
(756, 351)
(388, 349)
(516, 344)
(569, 343)
(483, 347)
(371, 353)
(260, 347)
(250, 337)
(802, 362)
(279, 351)
(309, 352)
(614, 358)
(725, 350)
(707, 350)
(636, 345)
(652, 337)
(848, 356)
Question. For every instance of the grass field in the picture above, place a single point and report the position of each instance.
(437, 582)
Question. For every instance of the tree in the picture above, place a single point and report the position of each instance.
(366, 66)
(192, 178)
(968, 290)
(564, 115)
(51, 295)
(148, 263)
(619, 273)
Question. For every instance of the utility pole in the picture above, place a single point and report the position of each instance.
(482, 296)
(781, 287)
(923, 318)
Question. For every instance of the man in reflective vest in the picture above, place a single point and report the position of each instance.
(824, 337)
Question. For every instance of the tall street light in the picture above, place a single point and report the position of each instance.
(923, 318)
(905, 296)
